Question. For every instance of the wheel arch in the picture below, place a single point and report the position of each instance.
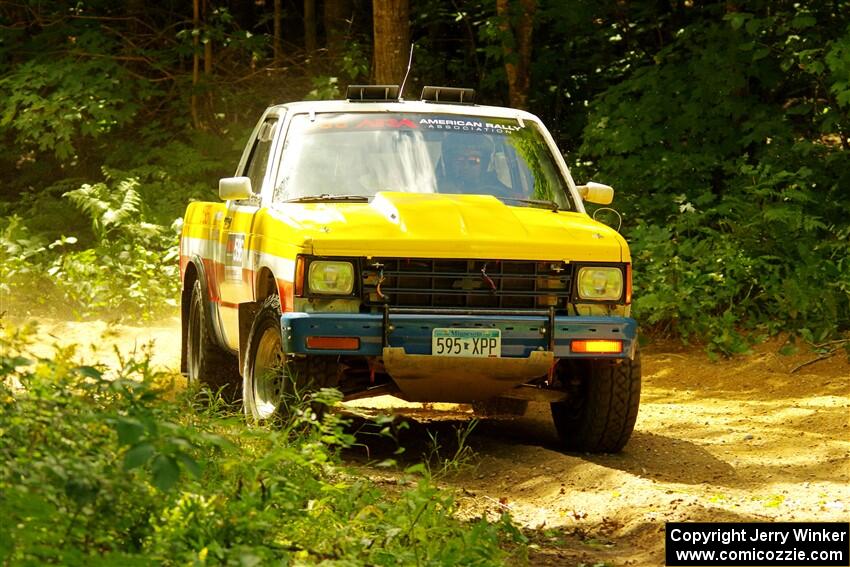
(194, 272)
(265, 284)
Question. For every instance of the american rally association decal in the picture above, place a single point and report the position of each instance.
(466, 125)
(463, 124)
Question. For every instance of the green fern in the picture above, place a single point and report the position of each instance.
(111, 210)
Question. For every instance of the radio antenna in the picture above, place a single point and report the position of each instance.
(409, 65)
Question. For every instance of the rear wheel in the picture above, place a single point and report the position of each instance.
(601, 414)
(208, 363)
(272, 381)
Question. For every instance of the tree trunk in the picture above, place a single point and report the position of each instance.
(278, 50)
(525, 33)
(336, 18)
(517, 34)
(392, 40)
(208, 57)
(196, 59)
(310, 26)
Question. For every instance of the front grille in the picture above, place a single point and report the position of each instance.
(466, 284)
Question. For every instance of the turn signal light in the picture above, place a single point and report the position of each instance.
(299, 276)
(598, 347)
(333, 343)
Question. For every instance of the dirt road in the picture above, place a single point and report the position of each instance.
(754, 438)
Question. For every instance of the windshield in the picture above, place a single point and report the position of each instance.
(364, 153)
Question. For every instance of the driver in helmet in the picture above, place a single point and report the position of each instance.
(467, 167)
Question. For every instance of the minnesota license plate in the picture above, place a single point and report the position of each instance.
(466, 342)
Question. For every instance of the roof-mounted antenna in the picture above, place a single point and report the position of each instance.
(409, 65)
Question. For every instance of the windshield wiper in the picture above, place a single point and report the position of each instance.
(542, 203)
(324, 197)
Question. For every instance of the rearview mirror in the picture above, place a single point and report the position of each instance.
(235, 188)
(596, 193)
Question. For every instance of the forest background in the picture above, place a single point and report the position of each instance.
(722, 125)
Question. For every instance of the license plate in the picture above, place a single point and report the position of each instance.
(466, 342)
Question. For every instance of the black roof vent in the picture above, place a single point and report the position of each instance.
(448, 95)
(372, 93)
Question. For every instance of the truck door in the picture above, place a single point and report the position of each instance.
(236, 283)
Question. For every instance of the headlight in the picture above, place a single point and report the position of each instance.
(600, 283)
(331, 278)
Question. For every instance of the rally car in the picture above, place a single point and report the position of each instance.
(435, 250)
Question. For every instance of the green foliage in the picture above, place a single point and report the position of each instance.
(108, 465)
(354, 61)
(133, 265)
(111, 210)
(24, 257)
(125, 262)
(53, 107)
(733, 232)
(461, 454)
(324, 88)
(20, 252)
(724, 129)
(130, 267)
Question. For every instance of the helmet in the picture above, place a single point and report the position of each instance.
(461, 144)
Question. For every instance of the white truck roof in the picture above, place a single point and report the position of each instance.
(418, 106)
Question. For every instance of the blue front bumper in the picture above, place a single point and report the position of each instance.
(521, 334)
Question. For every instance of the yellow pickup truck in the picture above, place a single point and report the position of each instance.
(435, 250)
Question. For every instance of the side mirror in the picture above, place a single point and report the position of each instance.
(596, 193)
(235, 188)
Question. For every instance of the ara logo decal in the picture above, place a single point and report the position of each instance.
(372, 124)
(386, 123)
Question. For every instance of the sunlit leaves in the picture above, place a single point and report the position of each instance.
(728, 154)
(52, 105)
(101, 465)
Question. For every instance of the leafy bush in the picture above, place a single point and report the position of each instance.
(126, 267)
(140, 258)
(126, 263)
(24, 257)
(111, 466)
(733, 233)
(54, 108)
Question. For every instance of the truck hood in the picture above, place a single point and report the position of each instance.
(449, 226)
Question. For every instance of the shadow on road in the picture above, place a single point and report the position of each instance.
(648, 455)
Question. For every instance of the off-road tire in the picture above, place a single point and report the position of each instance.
(207, 363)
(264, 401)
(500, 407)
(602, 416)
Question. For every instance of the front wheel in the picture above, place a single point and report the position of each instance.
(271, 380)
(601, 415)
